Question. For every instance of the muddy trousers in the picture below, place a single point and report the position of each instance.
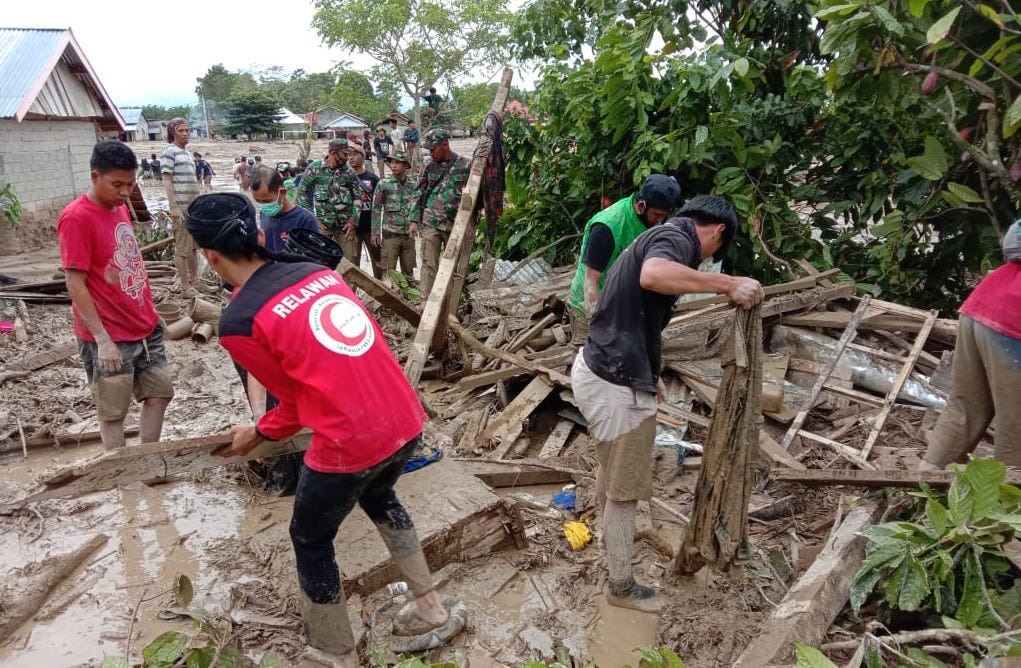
(353, 252)
(986, 382)
(321, 503)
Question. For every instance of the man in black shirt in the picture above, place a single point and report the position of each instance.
(616, 379)
(357, 236)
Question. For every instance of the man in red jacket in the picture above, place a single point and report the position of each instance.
(301, 332)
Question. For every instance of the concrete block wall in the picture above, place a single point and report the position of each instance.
(48, 164)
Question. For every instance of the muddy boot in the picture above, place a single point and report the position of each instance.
(330, 637)
(633, 596)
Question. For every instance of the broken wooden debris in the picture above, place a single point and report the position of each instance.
(457, 517)
(357, 278)
(436, 309)
(67, 440)
(815, 600)
(557, 439)
(146, 462)
(508, 425)
(719, 519)
(516, 473)
(879, 478)
(505, 356)
(943, 330)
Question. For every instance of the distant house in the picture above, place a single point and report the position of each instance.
(136, 127)
(346, 123)
(53, 109)
(290, 124)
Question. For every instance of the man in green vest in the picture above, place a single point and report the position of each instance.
(612, 230)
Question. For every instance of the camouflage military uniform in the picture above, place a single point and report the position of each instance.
(394, 210)
(441, 184)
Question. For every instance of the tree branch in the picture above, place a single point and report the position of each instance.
(987, 62)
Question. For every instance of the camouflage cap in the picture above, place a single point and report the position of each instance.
(400, 156)
(338, 143)
(435, 136)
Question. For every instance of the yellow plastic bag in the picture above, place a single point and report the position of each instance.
(577, 534)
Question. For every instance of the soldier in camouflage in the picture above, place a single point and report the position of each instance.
(440, 183)
(328, 189)
(394, 212)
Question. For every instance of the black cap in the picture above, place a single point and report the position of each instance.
(222, 220)
(660, 192)
(709, 209)
(313, 246)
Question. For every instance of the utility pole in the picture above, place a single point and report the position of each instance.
(205, 117)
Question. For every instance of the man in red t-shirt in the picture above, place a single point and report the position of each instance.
(986, 375)
(301, 332)
(120, 335)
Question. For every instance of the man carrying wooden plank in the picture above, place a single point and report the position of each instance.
(616, 375)
(120, 335)
(301, 331)
(987, 369)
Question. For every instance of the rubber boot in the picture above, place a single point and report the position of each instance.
(632, 595)
(327, 626)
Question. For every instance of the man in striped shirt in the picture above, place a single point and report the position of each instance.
(178, 168)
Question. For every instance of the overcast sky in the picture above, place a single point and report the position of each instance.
(127, 50)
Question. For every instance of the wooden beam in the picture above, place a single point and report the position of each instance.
(469, 383)
(38, 361)
(148, 461)
(884, 478)
(779, 305)
(944, 330)
(505, 356)
(898, 383)
(433, 314)
(509, 423)
(850, 331)
(498, 474)
(557, 439)
(770, 290)
(531, 333)
(64, 440)
(355, 277)
(815, 600)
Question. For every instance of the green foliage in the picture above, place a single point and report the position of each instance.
(659, 657)
(810, 657)
(417, 43)
(400, 281)
(10, 205)
(828, 151)
(252, 111)
(355, 94)
(157, 112)
(948, 561)
(204, 649)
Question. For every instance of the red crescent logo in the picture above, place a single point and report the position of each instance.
(334, 332)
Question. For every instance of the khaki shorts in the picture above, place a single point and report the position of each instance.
(184, 243)
(144, 374)
(622, 424)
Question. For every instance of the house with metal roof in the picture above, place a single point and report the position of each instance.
(136, 125)
(53, 109)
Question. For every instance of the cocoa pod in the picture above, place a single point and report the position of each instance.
(929, 84)
(1015, 172)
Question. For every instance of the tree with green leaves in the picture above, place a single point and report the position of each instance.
(825, 134)
(417, 43)
(252, 112)
(157, 112)
(355, 94)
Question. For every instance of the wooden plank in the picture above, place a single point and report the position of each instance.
(355, 277)
(531, 333)
(767, 445)
(39, 360)
(507, 426)
(797, 301)
(37, 297)
(519, 475)
(63, 440)
(147, 462)
(156, 245)
(770, 290)
(815, 600)
(881, 478)
(849, 333)
(505, 356)
(944, 330)
(898, 383)
(469, 383)
(556, 440)
(433, 314)
(845, 451)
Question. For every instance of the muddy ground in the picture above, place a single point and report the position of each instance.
(230, 538)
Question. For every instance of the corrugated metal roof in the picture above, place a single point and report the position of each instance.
(26, 54)
(130, 116)
(28, 58)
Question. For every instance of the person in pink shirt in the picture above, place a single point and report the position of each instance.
(987, 369)
(120, 335)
